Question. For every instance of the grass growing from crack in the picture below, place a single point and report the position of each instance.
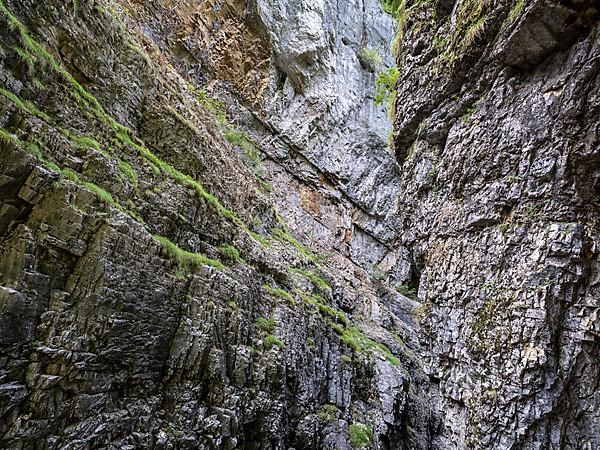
(277, 292)
(231, 253)
(351, 335)
(285, 237)
(187, 260)
(315, 279)
(9, 138)
(128, 170)
(24, 105)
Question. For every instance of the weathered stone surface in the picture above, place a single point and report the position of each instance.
(500, 163)
(113, 337)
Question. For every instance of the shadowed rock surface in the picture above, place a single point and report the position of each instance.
(206, 242)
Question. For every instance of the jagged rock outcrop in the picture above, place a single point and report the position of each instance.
(497, 134)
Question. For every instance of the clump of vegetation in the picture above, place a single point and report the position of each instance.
(407, 291)
(277, 292)
(25, 105)
(360, 343)
(315, 279)
(231, 253)
(346, 359)
(266, 324)
(385, 89)
(328, 412)
(9, 138)
(129, 172)
(324, 309)
(515, 11)
(285, 237)
(269, 341)
(214, 106)
(421, 311)
(187, 260)
(102, 194)
(370, 59)
(361, 435)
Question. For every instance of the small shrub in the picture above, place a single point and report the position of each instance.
(328, 413)
(270, 340)
(407, 291)
(370, 59)
(265, 324)
(385, 85)
(361, 435)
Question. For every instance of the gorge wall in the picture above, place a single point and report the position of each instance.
(206, 240)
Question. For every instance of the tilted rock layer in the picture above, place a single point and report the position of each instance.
(183, 272)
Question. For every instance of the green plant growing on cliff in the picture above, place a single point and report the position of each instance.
(187, 260)
(314, 278)
(9, 138)
(360, 343)
(407, 291)
(385, 89)
(514, 12)
(277, 292)
(361, 435)
(231, 253)
(328, 412)
(324, 309)
(270, 341)
(24, 105)
(370, 58)
(266, 324)
(215, 107)
(102, 194)
(128, 170)
(284, 236)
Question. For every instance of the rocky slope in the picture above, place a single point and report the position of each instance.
(205, 238)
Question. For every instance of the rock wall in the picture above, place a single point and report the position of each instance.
(151, 293)
(497, 135)
(205, 238)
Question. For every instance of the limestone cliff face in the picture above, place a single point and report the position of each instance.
(497, 136)
(155, 290)
(205, 236)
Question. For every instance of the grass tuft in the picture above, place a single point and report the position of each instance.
(270, 341)
(187, 260)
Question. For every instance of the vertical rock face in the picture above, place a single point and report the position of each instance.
(154, 289)
(204, 237)
(497, 135)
